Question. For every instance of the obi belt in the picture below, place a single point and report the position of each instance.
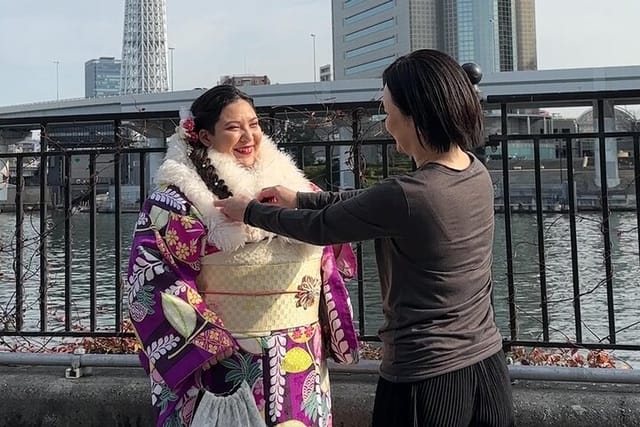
(263, 286)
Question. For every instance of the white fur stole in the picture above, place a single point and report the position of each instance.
(272, 167)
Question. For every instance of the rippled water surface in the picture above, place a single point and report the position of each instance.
(559, 278)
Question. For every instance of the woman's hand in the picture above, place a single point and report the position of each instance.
(233, 207)
(279, 196)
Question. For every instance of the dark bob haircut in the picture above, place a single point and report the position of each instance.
(430, 87)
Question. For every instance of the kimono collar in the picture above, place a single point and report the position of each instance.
(272, 167)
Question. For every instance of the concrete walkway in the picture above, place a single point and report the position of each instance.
(41, 396)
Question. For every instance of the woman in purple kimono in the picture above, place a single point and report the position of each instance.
(233, 322)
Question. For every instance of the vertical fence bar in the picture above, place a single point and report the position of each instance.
(355, 128)
(361, 308)
(604, 195)
(507, 221)
(143, 178)
(68, 258)
(385, 160)
(541, 254)
(356, 148)
(272, 124)
(92, 242)
(328, 166)
(19, 264)
(636, 171)
(117, 213)
(44, 269)
(575, 272)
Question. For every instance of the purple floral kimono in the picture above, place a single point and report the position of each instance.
(286, 369)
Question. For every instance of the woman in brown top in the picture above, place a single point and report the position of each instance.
(433, 228)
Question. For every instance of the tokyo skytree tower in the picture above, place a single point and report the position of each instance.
(144, 47)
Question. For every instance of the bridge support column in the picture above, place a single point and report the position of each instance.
(155, 159)
(611, 145)
(9, 136)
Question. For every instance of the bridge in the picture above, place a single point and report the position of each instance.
(345, 92)
(526, 89)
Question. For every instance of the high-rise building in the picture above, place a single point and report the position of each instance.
(102, 77)
(470, 31)
(526, 34)
(369, 34)
(325, 73)
(506, 35)
(423, 24)
(144, 47)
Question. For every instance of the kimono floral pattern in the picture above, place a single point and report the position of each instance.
(308, 292)
(285, 369)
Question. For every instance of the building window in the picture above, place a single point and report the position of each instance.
(350, 3)
(370, 47)
(368, 13)
(378, 63)
(369, 30)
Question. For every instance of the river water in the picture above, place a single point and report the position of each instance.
(624, 257)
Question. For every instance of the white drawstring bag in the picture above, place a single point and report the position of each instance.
(237, 409)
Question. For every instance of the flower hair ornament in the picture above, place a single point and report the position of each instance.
(186, 129)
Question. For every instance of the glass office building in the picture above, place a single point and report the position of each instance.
(369, 34)
(102, 77)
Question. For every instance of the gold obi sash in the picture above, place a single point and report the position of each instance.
(264, 286)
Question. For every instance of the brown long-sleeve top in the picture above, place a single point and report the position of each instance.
(433, 231)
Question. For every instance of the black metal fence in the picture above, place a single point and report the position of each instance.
(121, 139)
(340, 147)
(604, 110)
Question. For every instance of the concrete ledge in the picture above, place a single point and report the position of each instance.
(41, 396)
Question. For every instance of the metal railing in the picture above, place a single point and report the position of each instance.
(355, 123)
(601, 137)
(115, 147)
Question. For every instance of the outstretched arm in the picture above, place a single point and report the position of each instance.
(321, 199)
(379, 211)
(284, 197)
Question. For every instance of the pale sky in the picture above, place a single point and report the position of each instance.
(213, 37)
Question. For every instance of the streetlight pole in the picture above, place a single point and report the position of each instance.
(313, 36)
(57, 80)
(171, 49)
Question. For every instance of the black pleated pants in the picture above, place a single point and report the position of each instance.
(478, 395)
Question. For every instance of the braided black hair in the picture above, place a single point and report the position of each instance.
(207, 172)
(206, 110)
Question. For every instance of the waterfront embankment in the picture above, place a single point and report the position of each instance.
(41, 396)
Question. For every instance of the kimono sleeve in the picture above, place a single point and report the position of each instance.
(339, 334)
(177, 333)
(336, 313)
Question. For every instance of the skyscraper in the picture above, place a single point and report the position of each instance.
(526, 34)
(144, 47)
(369, 34)
(507, 35)
(102, 77)
(470, 31)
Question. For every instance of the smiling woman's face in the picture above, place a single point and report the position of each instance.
(236, 132)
